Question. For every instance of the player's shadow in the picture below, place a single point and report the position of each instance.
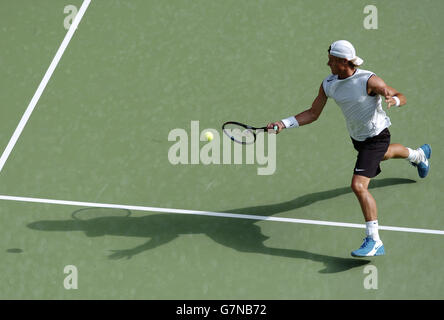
(308, 199)
(239, 234)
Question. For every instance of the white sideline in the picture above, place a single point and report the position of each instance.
(43, 83)
(213, 214)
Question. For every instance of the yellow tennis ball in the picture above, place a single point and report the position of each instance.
(209, 136)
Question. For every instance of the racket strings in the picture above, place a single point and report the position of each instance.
(239, 133)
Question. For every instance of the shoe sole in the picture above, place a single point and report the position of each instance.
(428, 153)
(378, 252)
(429, 150)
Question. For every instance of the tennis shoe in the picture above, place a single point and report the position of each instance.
(369, 248)
(424, 165)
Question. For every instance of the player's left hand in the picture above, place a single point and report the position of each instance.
(388, 99)
(390, 102)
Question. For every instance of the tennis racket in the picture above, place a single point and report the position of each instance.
(242, 133)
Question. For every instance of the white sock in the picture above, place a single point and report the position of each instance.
(371, 230)
(415, 156)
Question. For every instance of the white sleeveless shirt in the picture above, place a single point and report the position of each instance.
(363, 113)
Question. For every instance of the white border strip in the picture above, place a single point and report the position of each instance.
(43, 83)
(213, 214)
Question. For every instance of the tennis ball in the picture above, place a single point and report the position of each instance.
(209, 136)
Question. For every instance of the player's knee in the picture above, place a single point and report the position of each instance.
(358, 187)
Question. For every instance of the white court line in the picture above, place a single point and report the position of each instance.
(213, 214)
(43, 83)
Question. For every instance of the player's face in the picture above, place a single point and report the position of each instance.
(332, 63)
(336, 64)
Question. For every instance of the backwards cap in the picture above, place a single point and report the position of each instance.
(344, 49)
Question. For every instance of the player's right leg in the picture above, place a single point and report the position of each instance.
(372, 245)
(418, 158)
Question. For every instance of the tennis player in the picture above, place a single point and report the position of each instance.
(358, 93)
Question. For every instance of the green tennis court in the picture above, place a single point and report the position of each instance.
(89, 183)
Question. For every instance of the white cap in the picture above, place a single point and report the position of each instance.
(344, 49)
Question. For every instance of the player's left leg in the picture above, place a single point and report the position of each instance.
(418, 158)
(396, 151)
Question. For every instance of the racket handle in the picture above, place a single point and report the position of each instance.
(275, 128)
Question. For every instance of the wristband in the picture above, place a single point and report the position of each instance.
(398, 102)
(290, 122)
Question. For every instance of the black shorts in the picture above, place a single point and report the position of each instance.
(371, 151)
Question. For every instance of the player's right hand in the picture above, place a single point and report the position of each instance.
(279, 124)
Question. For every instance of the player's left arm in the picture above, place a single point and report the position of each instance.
(376, 85)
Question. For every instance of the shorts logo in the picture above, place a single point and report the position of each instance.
(359, 169)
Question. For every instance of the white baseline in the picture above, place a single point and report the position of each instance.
(43, 83)
(213, 214)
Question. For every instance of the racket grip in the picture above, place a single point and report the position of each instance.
(275, 128)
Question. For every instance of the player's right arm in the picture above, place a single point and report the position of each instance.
(307, 116)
